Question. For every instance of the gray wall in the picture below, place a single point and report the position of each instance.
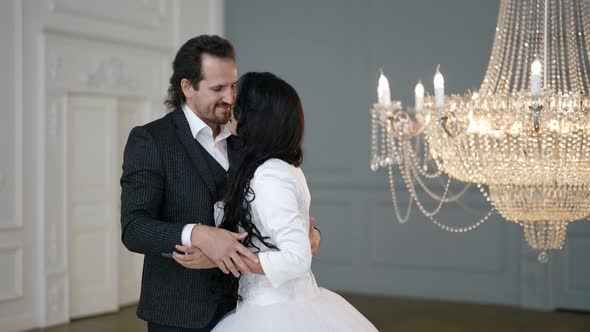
(331, 52)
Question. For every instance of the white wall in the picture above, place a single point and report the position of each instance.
(17, 237)
(53, 49)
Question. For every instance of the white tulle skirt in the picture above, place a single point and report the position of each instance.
(325, 312)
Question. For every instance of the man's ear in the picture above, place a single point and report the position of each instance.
(187, 88)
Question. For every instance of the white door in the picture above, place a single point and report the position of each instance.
(130, 112)
(92, 205)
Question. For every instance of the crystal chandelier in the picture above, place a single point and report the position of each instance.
(523, 139)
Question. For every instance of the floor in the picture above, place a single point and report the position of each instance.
(395, 315)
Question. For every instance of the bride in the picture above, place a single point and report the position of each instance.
(267, 197)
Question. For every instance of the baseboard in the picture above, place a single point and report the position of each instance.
(16, 323)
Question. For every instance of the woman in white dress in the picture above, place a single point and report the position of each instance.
(268, 198)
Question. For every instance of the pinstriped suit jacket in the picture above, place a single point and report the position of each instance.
(170, 180)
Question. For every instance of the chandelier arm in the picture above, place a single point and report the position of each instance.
(407, 128)
(452, 132)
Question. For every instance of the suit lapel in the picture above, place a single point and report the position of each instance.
(194, 149)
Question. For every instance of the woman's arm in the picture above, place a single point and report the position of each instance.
(276, 203)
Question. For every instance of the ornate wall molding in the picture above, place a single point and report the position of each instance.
(97, 66)
(111, 73)
(143, 14)
(11, 260)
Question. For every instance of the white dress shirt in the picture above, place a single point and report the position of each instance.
(217, 148)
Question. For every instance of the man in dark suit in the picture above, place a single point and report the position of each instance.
(173, 173)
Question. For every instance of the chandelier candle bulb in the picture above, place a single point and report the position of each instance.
(419, 95)
(439, 89)
(536, 68)
(383, 93)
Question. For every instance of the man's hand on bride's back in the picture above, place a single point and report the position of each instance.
(223, 248)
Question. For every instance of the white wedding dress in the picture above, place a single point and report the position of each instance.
(287, 297)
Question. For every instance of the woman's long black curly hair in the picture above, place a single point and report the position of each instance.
(270, 124)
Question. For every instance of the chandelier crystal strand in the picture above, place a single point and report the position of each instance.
(491, 75)
(416, 163)
(384, 149)
(448, 199)
(522, 46)
(408, 176)
(584, 44)
(575, 72)
(430, 215)
(583, 32)
(398, 214)
(420, 172)
(506, 68)
(374, 140)
(396, 209)
(415, 170)
(391, 146)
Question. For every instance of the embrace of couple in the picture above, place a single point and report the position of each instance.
(214, 198)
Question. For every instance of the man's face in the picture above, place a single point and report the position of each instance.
(216, 92)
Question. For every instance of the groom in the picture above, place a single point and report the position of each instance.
(173, 173)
